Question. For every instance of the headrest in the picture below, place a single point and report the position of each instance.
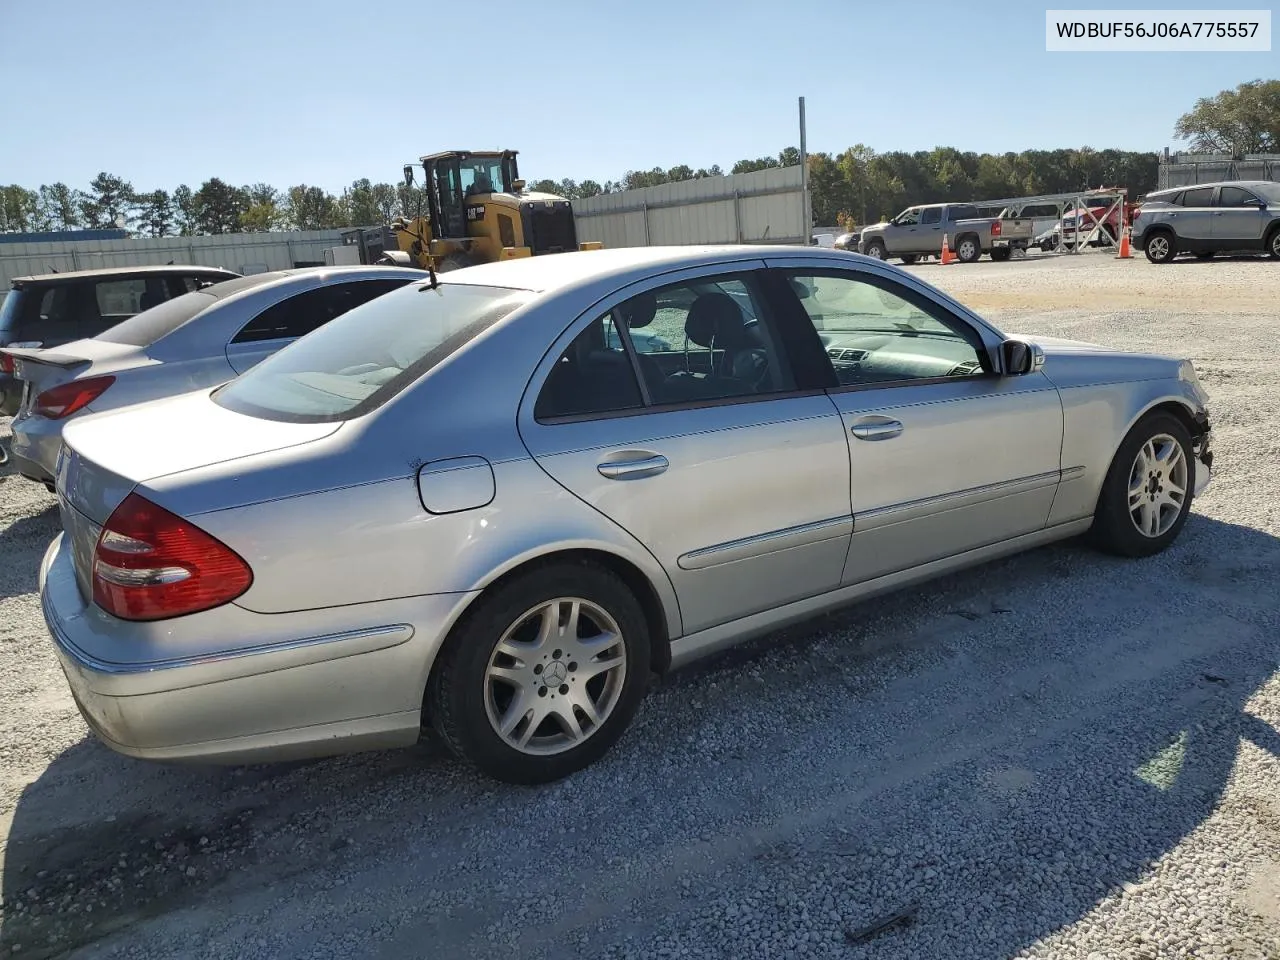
(715, 319)
(639, 311)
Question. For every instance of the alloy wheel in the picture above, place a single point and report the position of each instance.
(555, 676)
(1158, 484)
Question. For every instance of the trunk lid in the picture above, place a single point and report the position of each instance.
(105, 455)
(44, 369)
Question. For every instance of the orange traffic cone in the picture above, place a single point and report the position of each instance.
(1125, 253)
(947, 255)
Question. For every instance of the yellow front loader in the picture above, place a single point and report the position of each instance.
(478, 211)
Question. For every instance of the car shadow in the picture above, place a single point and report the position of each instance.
(24, 541)
(1098, 796)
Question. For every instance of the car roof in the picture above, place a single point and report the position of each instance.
(555, 271)
(1248, 184)
(100, 273)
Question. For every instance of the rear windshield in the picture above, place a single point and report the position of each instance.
(145, 328)
(369, 354)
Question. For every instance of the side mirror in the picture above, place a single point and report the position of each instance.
(408, 175)
(1017, 358)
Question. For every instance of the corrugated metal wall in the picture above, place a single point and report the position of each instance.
(1187, 168)
(761, 207)
(242, 252)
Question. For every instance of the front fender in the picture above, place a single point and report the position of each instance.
(1096, 419)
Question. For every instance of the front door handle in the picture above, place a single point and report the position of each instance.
(876, 428)
(634, 469)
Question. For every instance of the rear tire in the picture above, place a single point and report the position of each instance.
(1001, 254)
(1273, 243)
(1160, 247)
(908, 259)
(475, 687)
(1143, 480)
(968, 249)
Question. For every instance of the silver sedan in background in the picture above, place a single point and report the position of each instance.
(196, 340)
(494, 504)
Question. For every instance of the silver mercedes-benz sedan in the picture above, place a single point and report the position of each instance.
(199, 339)
(495, 503)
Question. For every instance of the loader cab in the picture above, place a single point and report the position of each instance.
(457, 182)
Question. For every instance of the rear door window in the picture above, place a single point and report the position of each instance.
(300, 314)
(932, 215)
(1201, 197)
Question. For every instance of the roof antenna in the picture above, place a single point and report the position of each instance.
(433, 282)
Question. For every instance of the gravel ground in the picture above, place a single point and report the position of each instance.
(1058, 755)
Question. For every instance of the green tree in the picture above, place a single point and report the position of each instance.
(311, 208)
(60, 206)
(1243, 120)
(361, 205)
(751, 166)
(219, 206)
(186, 210)
(18, 209)
(264, 211)
(411, 200)
(153, 213)
(385, 202)
(108, 201)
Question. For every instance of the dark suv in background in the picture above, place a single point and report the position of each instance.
(56, 308)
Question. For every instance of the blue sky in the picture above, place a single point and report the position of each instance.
(324, 92)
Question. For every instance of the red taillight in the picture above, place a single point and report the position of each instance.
(66, 398)
(995, 228)
(6, 364)
(150, 564)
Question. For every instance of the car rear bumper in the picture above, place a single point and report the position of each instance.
(35, 446)
(333, 681)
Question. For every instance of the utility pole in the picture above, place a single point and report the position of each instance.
(806, 213)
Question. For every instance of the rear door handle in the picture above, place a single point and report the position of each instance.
(634, 469)
(876, 428)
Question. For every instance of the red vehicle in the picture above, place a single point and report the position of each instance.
(1085, 218)
(1095, 209)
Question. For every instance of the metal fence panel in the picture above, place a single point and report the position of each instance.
(765, 206)
(242, 252)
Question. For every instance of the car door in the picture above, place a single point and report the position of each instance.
(1239, 219)
(1192, 217)
(929, 233)
(296, 315)
(710, 453)
(901, 233)
(946, 455)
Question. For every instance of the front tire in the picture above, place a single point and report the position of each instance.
(876, 248)
(1147, 494)
(542, 677)
(1160, 247)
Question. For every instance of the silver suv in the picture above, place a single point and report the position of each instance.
(1208, 218)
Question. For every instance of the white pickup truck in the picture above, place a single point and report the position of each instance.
(918, 232)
